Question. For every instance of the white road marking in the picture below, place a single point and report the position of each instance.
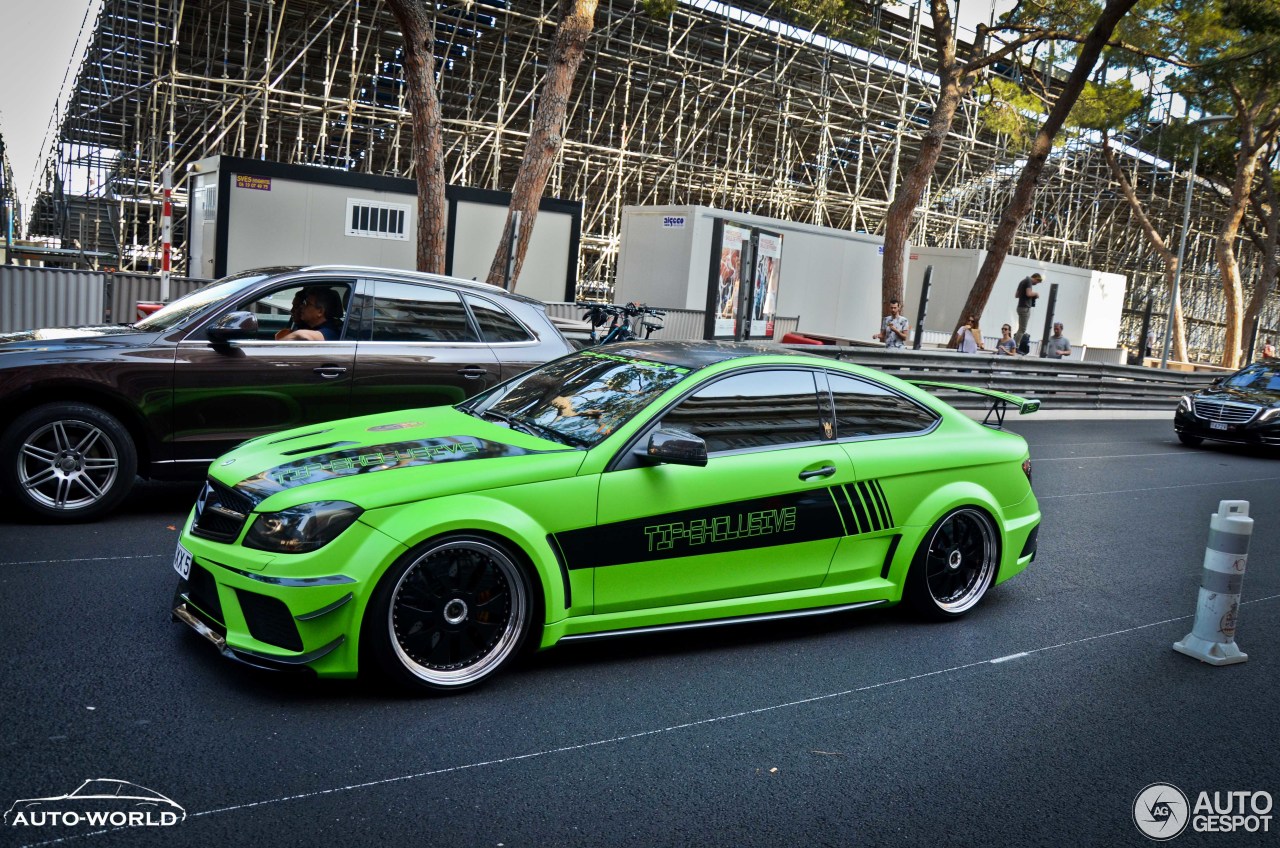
(80, 559)
(653, 732)
(1158, 488)
(1037, 460)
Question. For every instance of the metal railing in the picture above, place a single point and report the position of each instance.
(1058, 385)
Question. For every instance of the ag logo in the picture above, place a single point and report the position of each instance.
(1161, 811)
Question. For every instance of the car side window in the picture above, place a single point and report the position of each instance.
(765, 408)
(275, 309)
(496, 326)
(866, 409)
(404, 312)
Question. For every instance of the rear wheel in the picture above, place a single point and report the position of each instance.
(68, 461)
(1190, 440)
(449, 615)
(955, 565)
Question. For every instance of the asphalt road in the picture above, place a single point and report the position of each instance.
(1036, 720)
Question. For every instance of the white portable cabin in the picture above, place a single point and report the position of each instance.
(247, 213)
(829, 278)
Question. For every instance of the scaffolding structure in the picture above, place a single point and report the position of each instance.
(719, 105)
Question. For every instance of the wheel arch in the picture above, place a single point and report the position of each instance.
(932, 508)
(86, 394)
(487, 518)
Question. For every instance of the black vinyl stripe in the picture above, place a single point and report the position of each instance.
(843, 510)
(888, 557)
(873, 508)
(564, 569)
(884, 502)
(783, 519)
(859, 510)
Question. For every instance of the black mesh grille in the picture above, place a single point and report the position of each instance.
(221, 512)
(203, 592)
(269, 620)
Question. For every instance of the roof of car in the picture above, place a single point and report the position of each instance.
(416, 276)
(695, 355)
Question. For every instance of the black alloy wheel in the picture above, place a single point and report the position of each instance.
(449, 615)
(955, 565)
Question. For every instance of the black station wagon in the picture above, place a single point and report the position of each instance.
(85, 410)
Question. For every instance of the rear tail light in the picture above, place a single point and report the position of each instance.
(1026, 468)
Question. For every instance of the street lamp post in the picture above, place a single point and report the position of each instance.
(1182, 242)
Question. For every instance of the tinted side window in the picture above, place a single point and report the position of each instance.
(496, 325)
(865, 409)
(403, 312)
(754, 409)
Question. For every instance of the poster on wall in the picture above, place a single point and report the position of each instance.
(764, 291)
(729, 259)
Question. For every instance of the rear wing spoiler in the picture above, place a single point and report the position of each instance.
(1000, 401)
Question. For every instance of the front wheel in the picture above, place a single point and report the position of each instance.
(68, 461)
(449, 615)
(955, 565)
(1190, 440)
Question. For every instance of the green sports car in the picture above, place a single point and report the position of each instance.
(622, 489)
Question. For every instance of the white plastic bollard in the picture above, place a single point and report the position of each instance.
(1213, 636)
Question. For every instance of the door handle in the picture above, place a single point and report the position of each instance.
(473, 372)
(329, 372)
(824, 471)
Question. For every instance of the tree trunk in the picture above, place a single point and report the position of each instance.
(1270, 217)
(897, 225)
(428, 140)
(1225, 249)
(1024, 192)
(546, 137)
(1179, 345)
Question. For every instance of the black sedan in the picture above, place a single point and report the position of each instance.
(85, 410)
(1243, 408)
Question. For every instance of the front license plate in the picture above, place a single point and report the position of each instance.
(182, 562)
(1217, 425)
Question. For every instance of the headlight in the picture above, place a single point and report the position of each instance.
(1268, 414)
(1184, 405)
(301, 529)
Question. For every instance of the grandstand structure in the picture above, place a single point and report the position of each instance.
(719, 105)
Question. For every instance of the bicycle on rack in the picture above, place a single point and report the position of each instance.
(625, 321)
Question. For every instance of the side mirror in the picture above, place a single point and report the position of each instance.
(675, 447)
(233, 325)
(1217, 381)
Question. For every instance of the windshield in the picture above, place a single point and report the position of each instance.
(1256, 377)
(579, 400)
(184, 307)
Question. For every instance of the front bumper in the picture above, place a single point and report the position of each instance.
(298, 612)
(1266, 434)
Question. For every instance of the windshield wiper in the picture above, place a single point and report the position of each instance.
(531, 428)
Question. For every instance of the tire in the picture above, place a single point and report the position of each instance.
(448, 615)
(955, 565)
(68, 461)
(1190, 440)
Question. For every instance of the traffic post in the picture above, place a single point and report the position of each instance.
(1213, 636)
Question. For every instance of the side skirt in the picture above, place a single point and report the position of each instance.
(719, 622)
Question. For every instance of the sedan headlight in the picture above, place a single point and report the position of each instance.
(1268, 414)
(301, 529)
(1184, 405)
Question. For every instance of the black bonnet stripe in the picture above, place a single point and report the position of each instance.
(367, 460)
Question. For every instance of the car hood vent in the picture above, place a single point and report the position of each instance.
(311, 448)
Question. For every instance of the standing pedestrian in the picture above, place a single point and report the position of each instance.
(1026, 295)
(1006, 346)
(894, 328)
(969, 337)
(1059, 346)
